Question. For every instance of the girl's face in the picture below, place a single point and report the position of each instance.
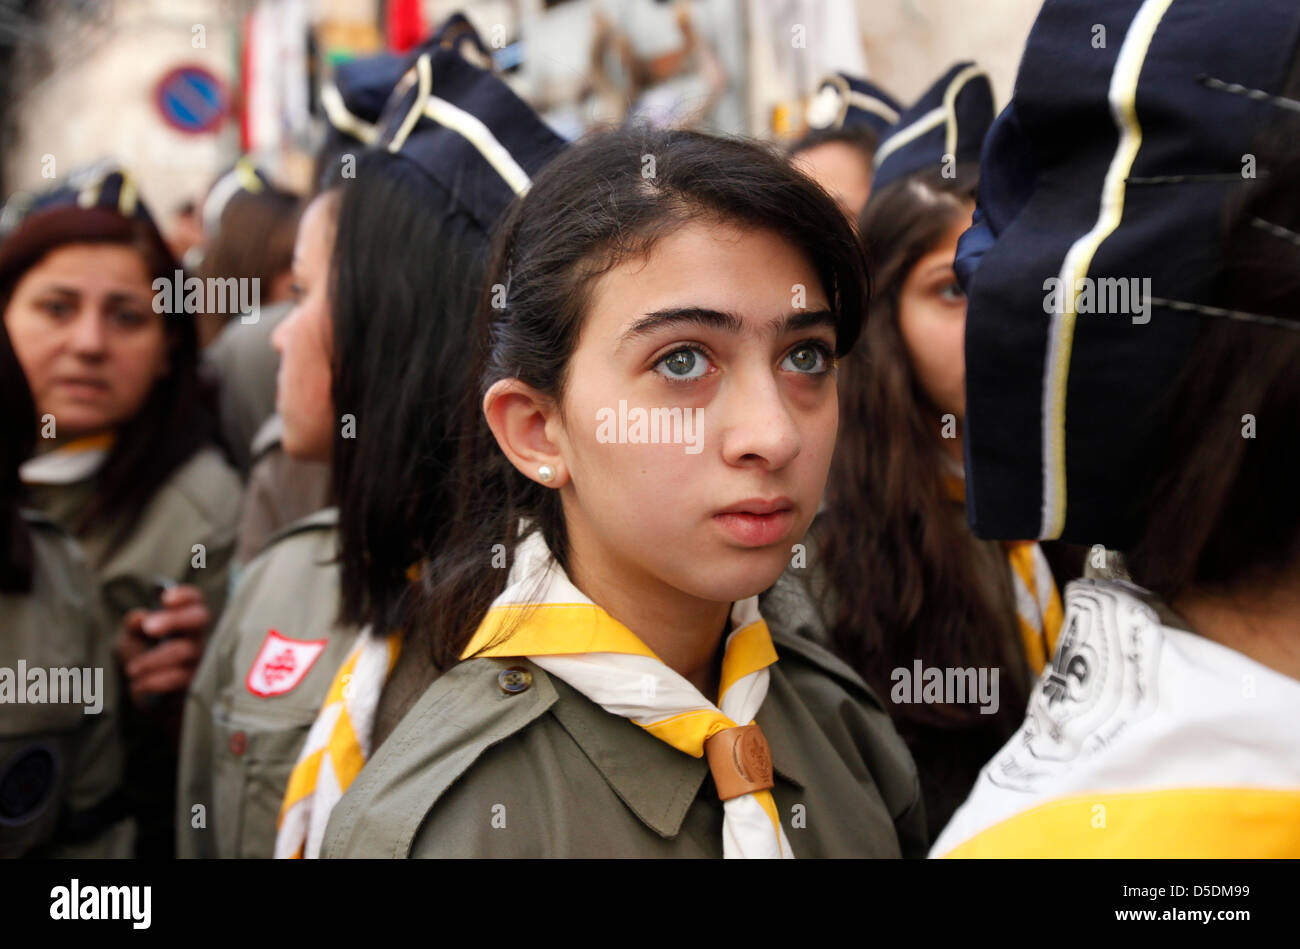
(305, 338)
(843, 171)
(729, 330)
(84, 329)
(932, 320)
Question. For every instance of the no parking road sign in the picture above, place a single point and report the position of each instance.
(191, 99)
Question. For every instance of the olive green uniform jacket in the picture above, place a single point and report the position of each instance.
(60, 766)
(245, 365)
(476, 771)
(186, 533)
(238, 747)
(198, 504)
(281, 491)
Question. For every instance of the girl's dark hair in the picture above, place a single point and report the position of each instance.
(255, 238)
(911, 589)
(606, 199)
(1223, 513)
(17, 439)
(406, 274)
(863, 138)
(178, 416)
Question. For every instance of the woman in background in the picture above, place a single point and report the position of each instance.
(128, 459)
(61, 758)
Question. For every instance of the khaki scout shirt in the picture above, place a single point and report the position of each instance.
(198, 504)
(238, 747)
(60, 767)
(474, 771)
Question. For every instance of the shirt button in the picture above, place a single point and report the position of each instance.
(514, 680)
(238, 743)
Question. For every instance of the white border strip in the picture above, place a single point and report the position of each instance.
(1123, 107)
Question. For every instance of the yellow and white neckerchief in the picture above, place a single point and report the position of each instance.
(1038, 603)
(551, 623)
(337, 745)
(69, 463)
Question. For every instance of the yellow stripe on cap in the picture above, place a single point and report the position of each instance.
(1123, 105)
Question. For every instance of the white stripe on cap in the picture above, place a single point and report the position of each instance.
(424, 73)
(467, 125)
(481, 137)
(343, 119)
(933, 119)
(1123, 109)
(868, 103)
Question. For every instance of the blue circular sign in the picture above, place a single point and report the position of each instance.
(191, 99)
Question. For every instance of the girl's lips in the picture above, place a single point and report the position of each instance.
(83, 386)
(755, 530)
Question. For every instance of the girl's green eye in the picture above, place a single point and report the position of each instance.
(806, 359)
(952, 292)
(683, 364)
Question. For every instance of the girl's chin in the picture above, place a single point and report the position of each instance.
(740, 575)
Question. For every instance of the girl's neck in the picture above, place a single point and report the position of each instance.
(1265, 626)
(684, 631)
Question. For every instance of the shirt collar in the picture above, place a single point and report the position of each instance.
(657, 782)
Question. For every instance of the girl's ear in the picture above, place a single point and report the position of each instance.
(522, 420)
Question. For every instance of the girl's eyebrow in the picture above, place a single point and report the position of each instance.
(720, 320)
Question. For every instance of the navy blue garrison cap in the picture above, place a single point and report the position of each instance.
(950, 119)
(355, 98)
(467, 131)
(101, 185)
(96, 202)
(1098, 247)
(847, 101)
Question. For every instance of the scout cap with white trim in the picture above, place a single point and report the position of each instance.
(469, 133)
(847, 101)
(1113, 165)
(99, 202)
(354, 98)
(950, 119)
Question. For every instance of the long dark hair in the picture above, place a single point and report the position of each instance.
(1223, 514)
(605, 200)
(406, 275)
(17, 439)
(178, 416)
(900, 563)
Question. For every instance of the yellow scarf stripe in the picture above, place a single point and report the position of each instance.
(1053, 619)
(748, 650)
(342, 746)
(769, 805)
(302, 781)
(101, 442)
(1213, 823)
(1040, 630)
(553, 629)
(689, 731)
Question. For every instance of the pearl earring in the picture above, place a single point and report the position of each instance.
(546, 473)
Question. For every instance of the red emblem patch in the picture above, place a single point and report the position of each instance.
(282, 663)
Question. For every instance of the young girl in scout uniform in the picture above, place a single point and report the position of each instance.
(371, 379)
(594, 606)
(127, 459)
(1165, 725)
(899, 576)
(60, 758)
